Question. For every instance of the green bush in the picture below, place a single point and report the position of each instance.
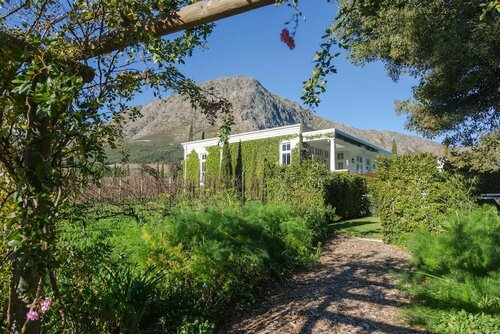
(226, 254)
(210, 256)
(315, 192)
(192, 168)
(348, 194)
(304, 187)
(413, 193)
(455, 284)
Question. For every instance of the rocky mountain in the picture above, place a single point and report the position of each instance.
(166, 122)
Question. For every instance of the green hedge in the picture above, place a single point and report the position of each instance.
(413, 194)
(192, 168)
(310, 187)
(255, 154)
(347, 193)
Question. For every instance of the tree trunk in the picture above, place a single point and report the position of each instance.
(28, 267)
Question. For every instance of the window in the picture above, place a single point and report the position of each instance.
(359, 165)
(286, 154)
(340, 156)
(340, 165)
(368, 166)
(203, 167)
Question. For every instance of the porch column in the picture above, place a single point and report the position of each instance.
(333, 155)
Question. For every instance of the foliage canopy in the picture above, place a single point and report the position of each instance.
(452, 47)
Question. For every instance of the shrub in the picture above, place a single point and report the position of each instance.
(413, 194)
(303, 186)
(192, 169)
(457, 275)
(464, 322)
(211, 256)
(226, 254)
(347, 193)
(315, 192)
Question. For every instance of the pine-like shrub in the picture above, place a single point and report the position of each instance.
(455, 284)
(226, 254)
(413, 193)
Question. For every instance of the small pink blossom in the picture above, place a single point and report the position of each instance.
(32, 315)
(287, 38)
(46, 304)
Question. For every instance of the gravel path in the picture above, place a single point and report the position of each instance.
(351, 291)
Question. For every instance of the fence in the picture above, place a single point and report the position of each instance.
(142, 188)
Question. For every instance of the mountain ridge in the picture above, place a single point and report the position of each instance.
(166, 121)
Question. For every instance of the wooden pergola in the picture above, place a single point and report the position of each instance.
(189, 16)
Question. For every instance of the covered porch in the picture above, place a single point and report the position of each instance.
(341, 151)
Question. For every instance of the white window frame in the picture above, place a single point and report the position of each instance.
(359, 164)
(286, 150)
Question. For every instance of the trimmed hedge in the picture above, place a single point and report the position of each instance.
(347, 193)
(413, 193)
(192, 166)
(309, 186)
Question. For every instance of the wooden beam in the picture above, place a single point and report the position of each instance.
(190, 16)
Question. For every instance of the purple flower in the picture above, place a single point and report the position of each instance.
(32, 315)
(46, 304)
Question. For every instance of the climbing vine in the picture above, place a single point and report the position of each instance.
(254, 156)
(192, 167)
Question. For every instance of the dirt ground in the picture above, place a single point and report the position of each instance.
(350, 291)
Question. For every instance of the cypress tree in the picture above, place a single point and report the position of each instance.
(238, 172)
(190, 136)
(394, 149)
(203, 134)
(254, 181)
(226, 168)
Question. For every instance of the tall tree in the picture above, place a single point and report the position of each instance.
(452, 47)
(203, 134)
(191, 134)
(238, 172)
(394, 148)
(226, 166)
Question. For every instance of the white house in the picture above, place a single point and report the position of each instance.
(340, 151)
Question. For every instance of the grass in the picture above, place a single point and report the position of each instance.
(366, 227)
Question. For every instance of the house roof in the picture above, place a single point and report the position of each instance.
(251, 135)
(288, 130)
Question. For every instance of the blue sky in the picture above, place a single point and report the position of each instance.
(249, 44)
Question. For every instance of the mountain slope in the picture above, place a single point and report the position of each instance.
(166, 122)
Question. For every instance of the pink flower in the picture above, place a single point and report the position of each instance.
(287, 39)
(46, 304)
(32, 315)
